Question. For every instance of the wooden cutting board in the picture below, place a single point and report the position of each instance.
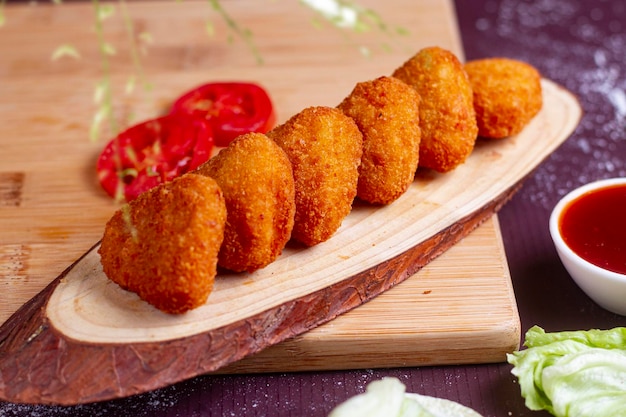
(458, 309)
(52, 209)
(437, 316)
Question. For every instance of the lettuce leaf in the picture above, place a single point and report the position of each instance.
(387, 398)
(382, 398)
(574, 373)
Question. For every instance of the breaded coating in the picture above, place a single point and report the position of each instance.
(163, 245)
(256, 178)
(507, 95)
(386, 110)
(447, 117)
(324, 147)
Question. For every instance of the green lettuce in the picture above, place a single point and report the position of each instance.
(573, 373)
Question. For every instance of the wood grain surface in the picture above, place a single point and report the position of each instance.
(436, 316)
(52, 212)
(88, 307)
(52, 209)
(83, 339)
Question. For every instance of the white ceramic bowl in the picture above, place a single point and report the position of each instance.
(606, 288)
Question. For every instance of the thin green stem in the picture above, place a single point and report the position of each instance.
(106, 107)
(348, 17)
(243, 33)
(134, 50)
(2, 18)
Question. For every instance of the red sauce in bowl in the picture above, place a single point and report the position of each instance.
(594, 226)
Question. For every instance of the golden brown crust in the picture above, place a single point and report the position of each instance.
(507, 95)
(447, 117)
(163, 245)
(324, 147)
(386, 110)
(256, 178)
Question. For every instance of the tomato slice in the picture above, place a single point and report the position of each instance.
(150, 153)
(233, 108)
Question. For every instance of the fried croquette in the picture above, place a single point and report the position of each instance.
(164, 245)
(324, 147)
(447, 117)
(256, 178)
(386, 110)
(507, 95)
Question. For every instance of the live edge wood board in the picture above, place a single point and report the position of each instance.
(81, 339)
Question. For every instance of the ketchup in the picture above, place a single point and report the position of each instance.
(594, 226)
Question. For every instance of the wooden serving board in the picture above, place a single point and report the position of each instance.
(52, 212)
(52, 209)
(437, 316)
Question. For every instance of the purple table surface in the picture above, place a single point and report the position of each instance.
(580, 45)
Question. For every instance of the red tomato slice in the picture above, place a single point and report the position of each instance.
(153, 152)
(233, 108)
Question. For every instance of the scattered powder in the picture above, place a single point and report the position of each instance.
(589, 64)
(152, 401)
